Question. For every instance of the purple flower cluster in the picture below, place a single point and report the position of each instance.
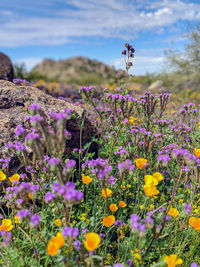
(70, 231)
(4, 162)
(24, 187)
(187, 208)
(87, 88)
(20, 81)
(77, 244)
(35, 219)
(23, 213)
(6, 237)
(32, 136)
(67, 191)
(121, 151)
(54, 161)
(19, 130)
(126, 165)
(136, 225)
(98, 166)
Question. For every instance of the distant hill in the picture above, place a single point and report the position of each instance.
(78, 70)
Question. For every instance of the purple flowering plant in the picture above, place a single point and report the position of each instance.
(132, 199)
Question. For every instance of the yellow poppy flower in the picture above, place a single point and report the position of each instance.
(150, 180)
(140, 163)
(6, 225)
(106, 192)
(14, 178)
(92, 241)
(2, 176)
(58, 222)
(172, 260)
(17, 219)
(197, 152)
(158, 176)
(151, 191)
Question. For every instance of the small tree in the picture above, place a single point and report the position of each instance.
(20, 70)
(185, 66)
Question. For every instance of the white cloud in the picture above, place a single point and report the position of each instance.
(29, 62)
(105, 18)
(141, 64)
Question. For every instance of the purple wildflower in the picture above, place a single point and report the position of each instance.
(23, 213)
(54, 161)
(70, 231)
(35, 219)
(49, 197)
(70, 163)
(188, 208)
(77, 244)
(19, 130)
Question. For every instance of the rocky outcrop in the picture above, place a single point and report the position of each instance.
(6, 68)
(14, 102)
(79, 70)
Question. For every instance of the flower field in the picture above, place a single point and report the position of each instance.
(133, 202)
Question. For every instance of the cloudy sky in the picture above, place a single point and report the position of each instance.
(59, 29)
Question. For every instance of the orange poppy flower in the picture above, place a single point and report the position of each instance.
(121, 234)
(109, 221)
(122, 204)
(173, 212)
(195, 223)
(92, 241)
(172, 260)
(197, 152)
(113, 207)
(140, 163)
(52, 248)
(86, 179)
(59, 240)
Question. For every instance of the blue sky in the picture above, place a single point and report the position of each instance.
(59, 29)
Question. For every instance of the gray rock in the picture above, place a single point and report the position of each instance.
(14, 102)
(6, 68)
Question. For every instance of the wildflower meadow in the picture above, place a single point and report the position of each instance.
(133, 202)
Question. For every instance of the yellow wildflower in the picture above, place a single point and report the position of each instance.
(58, 222)
(2, 176)
(172, 260)
(92, 241)
(14, 178)
(173, 212)
(106, 192)
(6, 225)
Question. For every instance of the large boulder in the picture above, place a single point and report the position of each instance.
(14, 102)
(6, 68)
